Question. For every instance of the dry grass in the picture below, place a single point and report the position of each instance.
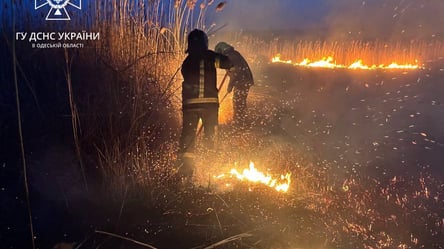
(143, 46)
(123, 90)
(129, 118)
(124, 115)
(344, 52)
(373, 53)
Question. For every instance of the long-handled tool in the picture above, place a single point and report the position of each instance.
(223, 82)
(224, 97)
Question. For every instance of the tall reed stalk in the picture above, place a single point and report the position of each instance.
(143, 46)
(20, 129)
(74, 116)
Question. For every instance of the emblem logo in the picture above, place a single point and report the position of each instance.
(58, 10)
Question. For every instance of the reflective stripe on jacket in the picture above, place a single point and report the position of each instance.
(199, 74)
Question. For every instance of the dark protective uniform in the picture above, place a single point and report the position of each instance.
(199, 92)
(241, 79)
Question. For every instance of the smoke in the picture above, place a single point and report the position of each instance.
(271, 14)
(340, 19)
(377, 123)
(383, 19)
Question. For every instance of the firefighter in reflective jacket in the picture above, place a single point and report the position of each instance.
(199, 95)
(241, 79)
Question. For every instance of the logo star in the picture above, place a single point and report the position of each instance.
(58, 10)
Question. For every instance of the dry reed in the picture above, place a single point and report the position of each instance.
(143, 45)
(344, 52)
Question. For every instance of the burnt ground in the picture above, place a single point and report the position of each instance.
(364, 149)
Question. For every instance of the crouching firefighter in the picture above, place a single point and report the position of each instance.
(199, 97)
(241, 79)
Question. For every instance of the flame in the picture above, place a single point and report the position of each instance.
(329, 62)
(255, 176)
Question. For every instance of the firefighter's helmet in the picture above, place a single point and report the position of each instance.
(223, 47)
(197, 41)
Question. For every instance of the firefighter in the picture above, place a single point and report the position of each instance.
(241, 79)
(199, 96)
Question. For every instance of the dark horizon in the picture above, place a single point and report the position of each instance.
(343, 19)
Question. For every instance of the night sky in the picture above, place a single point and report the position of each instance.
(374, 18)
(274, 14)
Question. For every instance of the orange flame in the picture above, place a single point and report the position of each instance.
(255, 176)
(329, 62)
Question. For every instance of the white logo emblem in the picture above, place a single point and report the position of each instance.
(58, 8)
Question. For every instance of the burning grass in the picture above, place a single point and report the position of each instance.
(253, 175)
(125, 100)
(329, 62)
(373, 53)
(353, 54)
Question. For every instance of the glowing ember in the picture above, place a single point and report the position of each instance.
(329, 62)
(253, 175)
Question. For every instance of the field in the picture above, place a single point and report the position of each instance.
(364, 150)
(99, 128)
